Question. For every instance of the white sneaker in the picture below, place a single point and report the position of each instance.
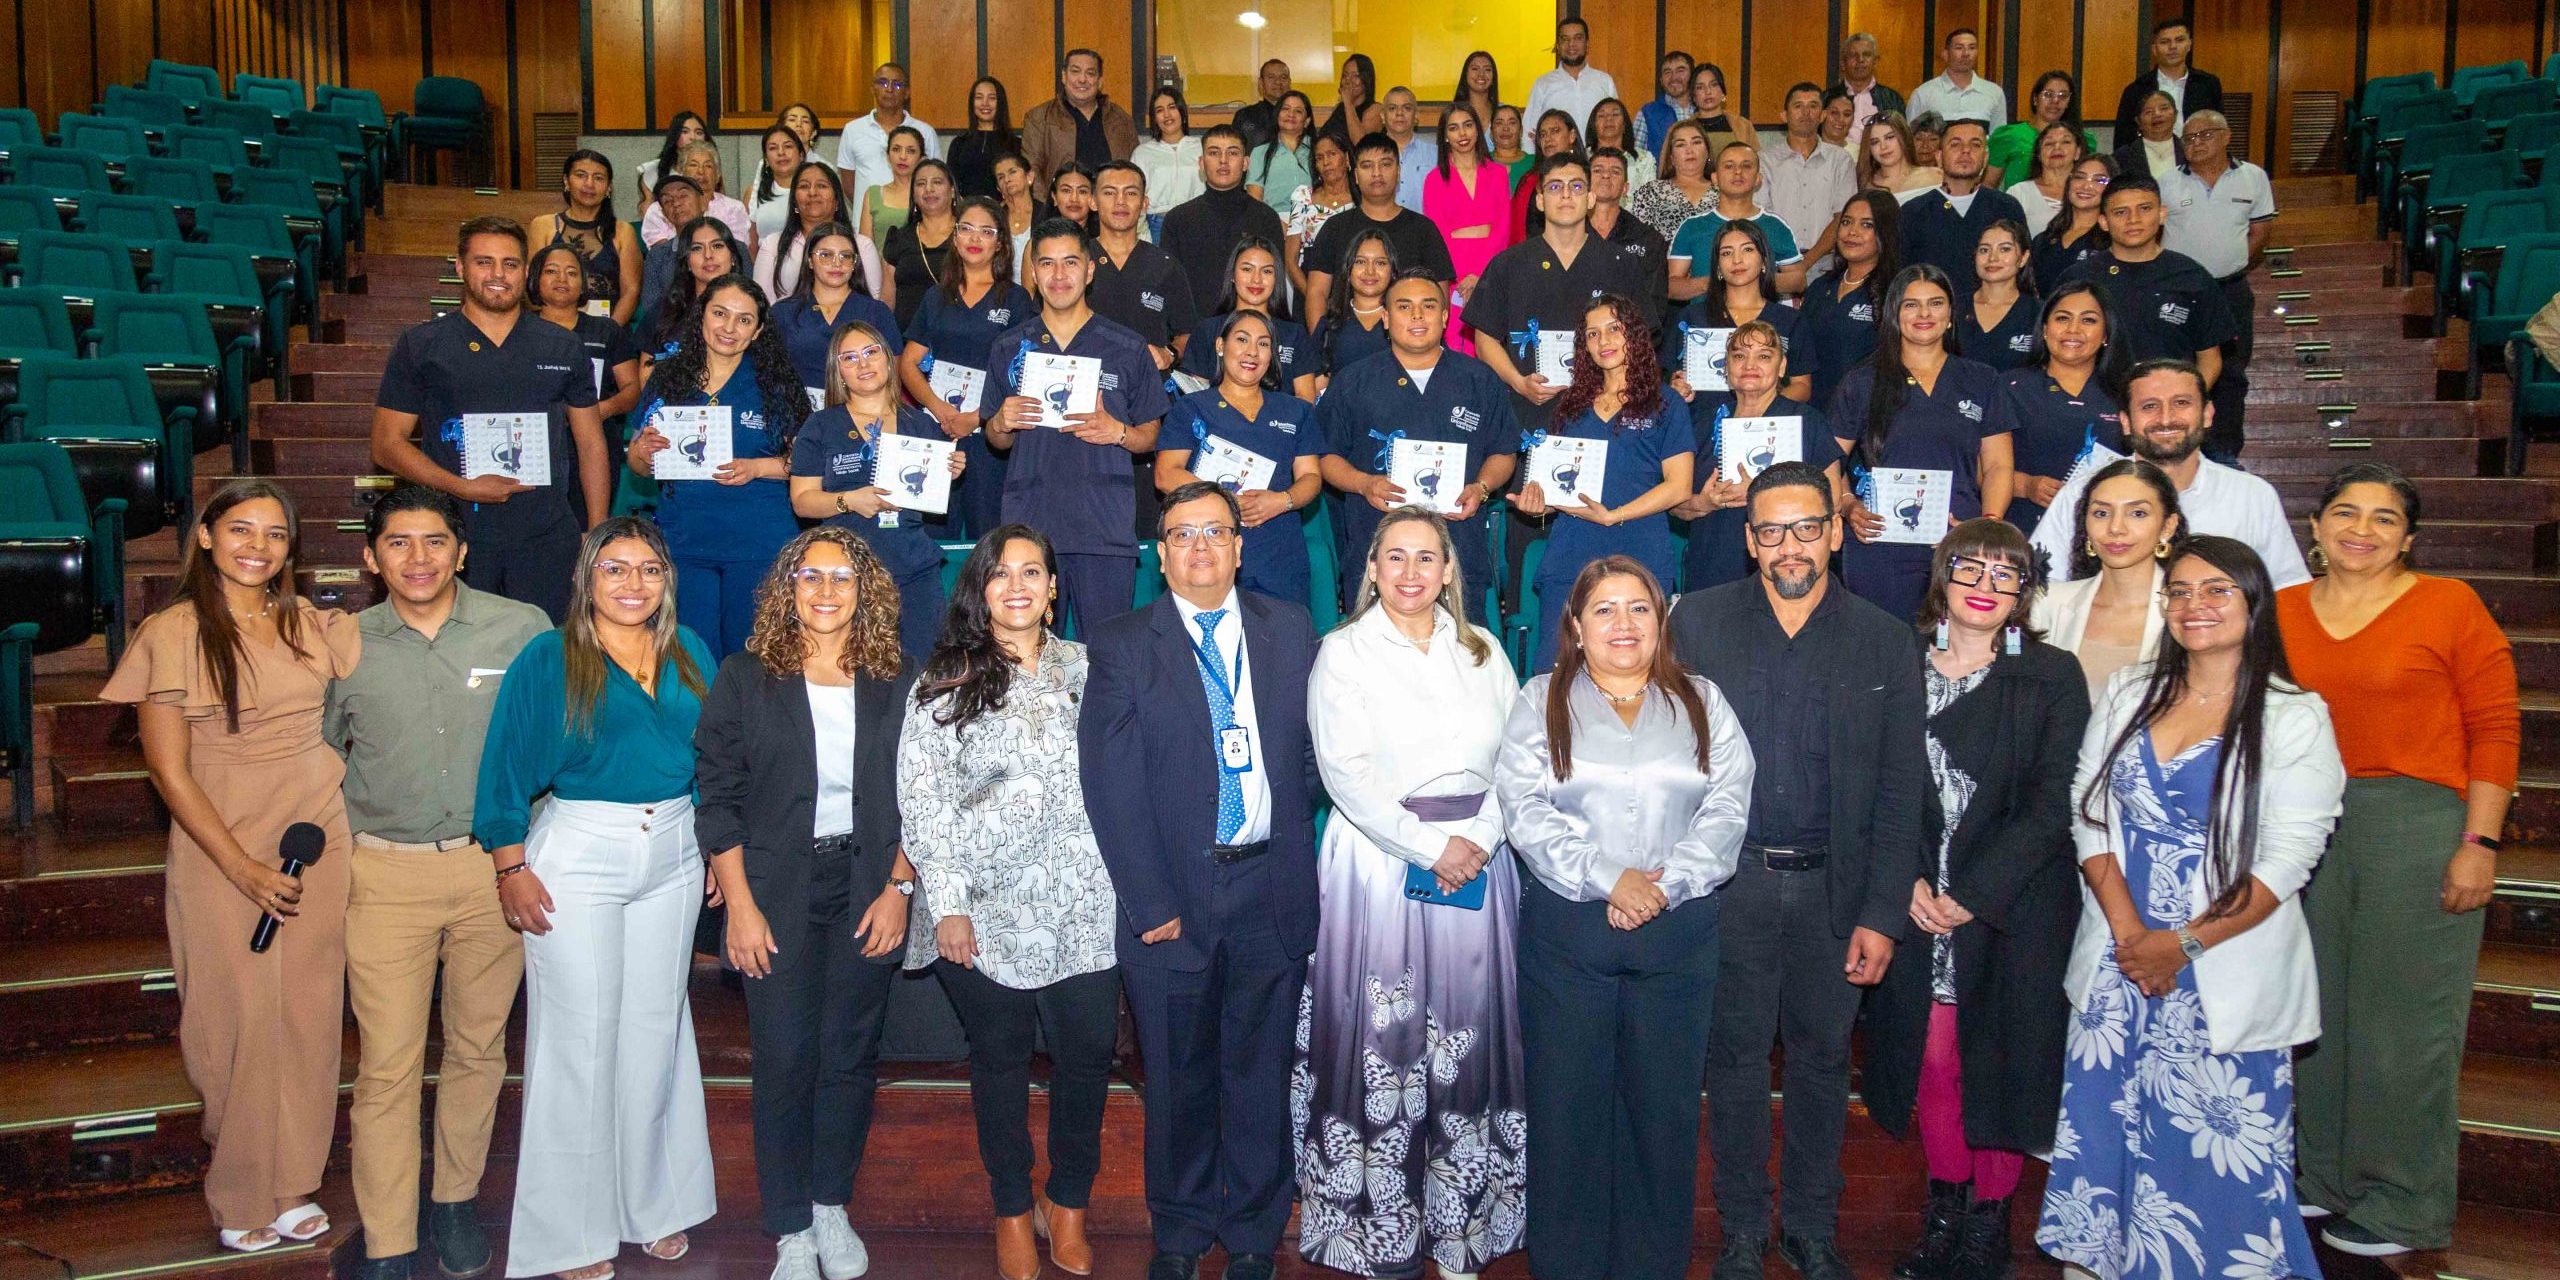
(840, 1251)
(796, 1257)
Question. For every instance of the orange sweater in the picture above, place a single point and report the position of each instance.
(2427, 690)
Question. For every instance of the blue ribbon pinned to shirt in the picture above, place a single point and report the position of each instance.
(1386, 445)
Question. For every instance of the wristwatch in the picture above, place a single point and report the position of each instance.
(906, 888)
(2490, 843)
(2191, 944)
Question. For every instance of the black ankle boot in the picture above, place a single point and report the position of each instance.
(454, 1236)
(1941, 1233)
(1984, 1254)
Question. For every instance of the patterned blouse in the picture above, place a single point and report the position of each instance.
(996, 827)
(1662, 206)
(1306, 216)
(1955, 792)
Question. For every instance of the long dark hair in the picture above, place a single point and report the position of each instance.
(1644, 369)
(583, 661)
(1891, 382)
(1492, 89)
(2017, 232)
(2084, 562)
(807, 285)
(2055, 230)
(218, 641)
(791, 229)
(672, 149)
(678, 302)
(1306, 139)
(2115, 359)
(1003, 130)
(681, 373)
(968, 664)
(2070, 110)
(955, 273)
(1440, 137)
(1626, 125)
(2231, 840)
(1337, 307)
(533, 273)
(1368, 70)
(765, 177)
(1247, 243)
(1720, 308)
(1270, 368)
(604, 212)
(1887, 213)
(1667, 673)
(1988, 538)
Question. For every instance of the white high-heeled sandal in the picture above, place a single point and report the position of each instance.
(291, 1224)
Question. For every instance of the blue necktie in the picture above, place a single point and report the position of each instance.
(1222, 715)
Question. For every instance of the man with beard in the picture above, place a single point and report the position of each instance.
(472, 367)
(1941, 227)
(2167, 414)
(1832, 703)
(1574, 87)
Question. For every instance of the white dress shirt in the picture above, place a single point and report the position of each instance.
(1231, 650)
(831, 713)
(1391, 720)
(1560, 90)
(862, 152)
(2211, 223)
(1976, 99)
(1806, 192)
(2223, 501)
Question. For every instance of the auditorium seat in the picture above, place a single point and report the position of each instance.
(59, 170)
(110, 138)
(318, 161)
(225, 279)
(2468, 83)
(74, 263)
(275, 93)
(24, 209)
(33, 322)
(2499, 107)
(287, 276)
(2430, 212)
(40, 498)
(122, 446)
(188, 367)
(223, 152)
(2531, 138)
(347, 136)
(451, 115)
(292, 193)
(154, 109)
(187, 185)
(246, 119)
(2468, 260)
(384, 132)
(2380, 97)
(2406, 171)
(130, 218)
(19, 128)
(192, 84)
(2528, 276)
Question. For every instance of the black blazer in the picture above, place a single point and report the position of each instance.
(1879, 762)
(756, 766)
(1150, 772)
(2204, 93)
(2017, 735)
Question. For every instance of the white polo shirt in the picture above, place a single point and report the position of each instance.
(2223, 501)
(1977, 99)
(2211, 223)
(1806, 192)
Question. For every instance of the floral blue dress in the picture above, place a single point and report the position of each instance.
(2170, 1160)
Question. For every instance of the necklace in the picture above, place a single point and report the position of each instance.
(262, 613)
(2202, 697)
(1620, 699)
(1358, 310)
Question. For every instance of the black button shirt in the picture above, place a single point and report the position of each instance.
(1783, 698)
(447, 367)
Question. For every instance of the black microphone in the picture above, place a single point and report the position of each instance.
(299, 848)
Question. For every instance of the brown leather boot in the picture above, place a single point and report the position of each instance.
(1017, 1255)
(1065, 1231)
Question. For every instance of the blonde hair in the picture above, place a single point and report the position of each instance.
(1453, 593)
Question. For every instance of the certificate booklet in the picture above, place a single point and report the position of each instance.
(1568, 469)
(1232, 467)
(1745, 447)
(1913, 503)
(1702, 358)
(1555, 356)
(697, 441)
(957, 384)
(514, 445)
(916, 470)
(2093, 456)
(1062, 384)
(1431, 472)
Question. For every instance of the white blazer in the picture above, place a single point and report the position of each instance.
(2259, 989)
(2062, 614)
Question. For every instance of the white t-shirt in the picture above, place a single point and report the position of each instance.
(831, 712)
(2223, 501)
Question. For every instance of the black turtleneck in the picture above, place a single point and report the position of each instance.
(1201, 234)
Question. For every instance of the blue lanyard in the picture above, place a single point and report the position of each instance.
(1200, 655)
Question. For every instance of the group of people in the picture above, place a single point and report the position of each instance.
(1888, 672)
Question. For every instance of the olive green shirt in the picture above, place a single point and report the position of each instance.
(411, 717)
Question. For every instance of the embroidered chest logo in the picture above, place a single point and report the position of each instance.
(2022, 342)
(848, 464)
(750, 420)
(2172, 313)
(1284, 428)
(1969, 409)
(1110, 381)
(1001, 315)
(1862, 312)
(1151, 301)
(1465, 419)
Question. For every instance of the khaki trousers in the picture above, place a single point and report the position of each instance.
(410, 908)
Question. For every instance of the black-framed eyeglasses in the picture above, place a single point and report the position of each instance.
(1968, 571)
(1809, 529)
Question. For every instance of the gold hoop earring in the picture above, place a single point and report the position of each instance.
(2161, 552)
(2091, 544)
(2319, 559)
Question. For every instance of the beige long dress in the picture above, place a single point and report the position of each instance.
(260, 1034)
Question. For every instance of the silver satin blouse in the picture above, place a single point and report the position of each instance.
(1636, 799)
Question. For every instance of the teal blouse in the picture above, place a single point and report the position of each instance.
(640, 749)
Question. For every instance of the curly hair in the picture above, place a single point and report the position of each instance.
(782, 645)
(1643, 368)
(680, 375)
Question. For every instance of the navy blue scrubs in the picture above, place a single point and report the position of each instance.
(1275, 551)
(2004, 346)
(1638, 446)
(1716, 554)
(2172, 308)
(1940, 431)
(723, 537)
(1292, 353)
(845, 459)
(2053, 259)
(806, 331)
(1842, 328)
(1376, 402)
(962, 334)
(1338, 347)
(1793, 331)
(2051, 428)
(1083, 496)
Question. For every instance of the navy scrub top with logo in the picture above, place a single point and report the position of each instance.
(1375, 402)
(964, 334)
(1790, 323)
(1841, 328)
(2051, 427)
(1637, 448)
(1340, 347)
(708, 520)
(1084, 496)
(1291, 350)
(1284, 432)
(1148, 295)
(1526, 289)
(2172, 308)
(606, 341)
(806, 331)
(1716, 553)
(2006, 346)
(829, 448)
(1941, 431)
(446, 368)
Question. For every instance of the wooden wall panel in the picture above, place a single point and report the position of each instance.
(547, 48)
(1708, 30)
(1103, 28)
(2045, 41)
(2318, 52)
(2231, 42)
(1022, 51)
(942, 62)
(1790, 41)
(2494, 31)
(470, 41)
(2407, 35)
(615, 101)
(682, 61)
(824, 56)
(2113, 47)
(382, 50)
(1903, 55)
(57, 72)
(1621, 43)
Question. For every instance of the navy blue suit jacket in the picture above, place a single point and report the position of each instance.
(1150, 773)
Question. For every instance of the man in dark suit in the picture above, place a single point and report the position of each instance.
(2173, 44)
(1200, 778)
(1829, 694)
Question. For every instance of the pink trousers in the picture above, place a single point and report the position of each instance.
(1993, 1173)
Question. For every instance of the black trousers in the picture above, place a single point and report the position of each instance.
(1094, 589)
(1613, 1035)
(533, 570)
(1219, 1042)
(814, 1026)
(1779, 978)
(1079, 1018)
(2231, 391)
